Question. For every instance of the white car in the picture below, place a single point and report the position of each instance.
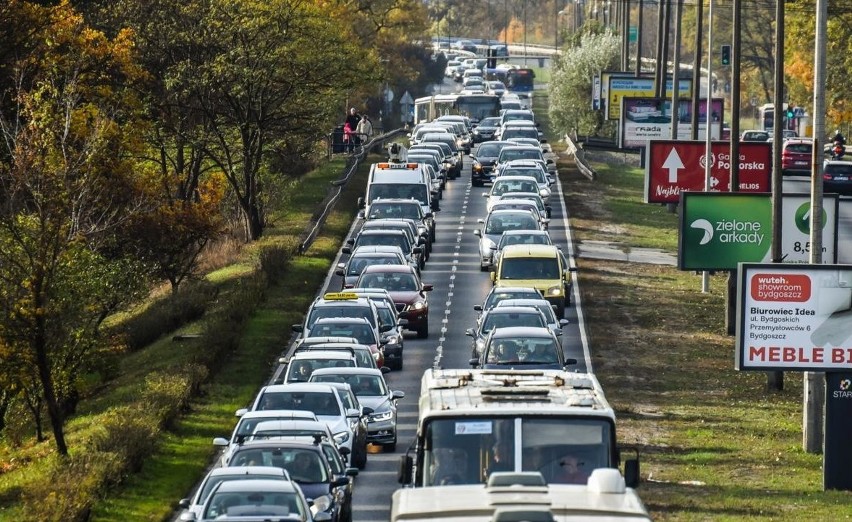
(508, 184)
(494, 225)
(249, 421)
(349, 426)
(195, 504)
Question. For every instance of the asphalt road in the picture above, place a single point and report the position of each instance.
(453, 269)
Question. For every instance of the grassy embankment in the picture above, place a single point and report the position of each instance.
(714, 444)
(184, 449)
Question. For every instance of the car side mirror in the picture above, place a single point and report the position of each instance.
(570, 361)
(360, 202)
(366, 410)
(298, 328)
(184, 503)
(477, 308)
(474, 363)
(398, 394)
(417, 250)
(557, 332)
(469, 332)
(477, 232)
(428, 215)
(344, 451)
(385, 328)
(564, 322)
(340, 272)
(402, 315)
(428, 287)
(485, 194)
(353, 413)
(220, 441)
(385, 369)
(338, 483)
(351, 472)
(240, 412)
(187, 515)
(346, 250)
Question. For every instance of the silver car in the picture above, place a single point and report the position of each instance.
(493, 227)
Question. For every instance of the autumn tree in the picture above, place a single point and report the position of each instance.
(67, 184)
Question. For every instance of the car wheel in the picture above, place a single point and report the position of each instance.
(423, 331)
(560, 309)
(483, 268)
(362, 458)
(398, 364)
(390, 448)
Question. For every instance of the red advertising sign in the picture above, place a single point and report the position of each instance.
(672, 166)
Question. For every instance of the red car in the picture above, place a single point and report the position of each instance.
(406, 290)
(796, 156)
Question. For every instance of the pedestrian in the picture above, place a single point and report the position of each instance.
(364, 129)
(348, 137)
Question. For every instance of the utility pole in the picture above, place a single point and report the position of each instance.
(659, 66)
(625, 33)
(676, 70)
(731, 303)
(667, 22)
(696, 66)
(639, 39)
(814, 392)
(705, 276)
(775, 380)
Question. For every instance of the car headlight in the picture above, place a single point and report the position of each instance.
(382, 416)
(477, 167)
(544, 193)
(554, 291)
(419, 305)
(342, 437)
(322, 503)
(476, 131)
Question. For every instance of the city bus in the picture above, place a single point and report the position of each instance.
(520, 80)
(474, 106)
(535, 419)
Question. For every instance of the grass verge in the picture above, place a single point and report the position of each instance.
(714, 444)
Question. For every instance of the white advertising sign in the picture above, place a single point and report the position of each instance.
(796, 228)
(794, 317)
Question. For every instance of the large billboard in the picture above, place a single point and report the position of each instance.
(619, 87)
(794, 317)
(720, 230)
(674, 166)
(646, 119)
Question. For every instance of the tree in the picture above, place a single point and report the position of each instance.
(571, 82)
(66, 186)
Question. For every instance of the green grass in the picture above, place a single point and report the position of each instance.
(187, 451)
(714, 445)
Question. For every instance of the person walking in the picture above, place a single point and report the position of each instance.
(364, 129)
(349, 137)
(352, 120)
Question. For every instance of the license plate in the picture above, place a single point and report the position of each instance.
(801, 163)
(841, 178)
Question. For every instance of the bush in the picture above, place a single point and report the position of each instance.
(167, 395)
(168, 314)
(130, 432)
(275, 258)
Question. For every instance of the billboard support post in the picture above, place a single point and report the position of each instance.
(705, 276)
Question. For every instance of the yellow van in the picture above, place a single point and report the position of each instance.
(543, 267)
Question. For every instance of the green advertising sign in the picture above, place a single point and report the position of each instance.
(632, 34)
(719, 230)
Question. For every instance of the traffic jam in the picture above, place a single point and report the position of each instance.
(435, 276)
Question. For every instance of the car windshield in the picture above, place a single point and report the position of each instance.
(214, 481)
(321, 403)
(499, 223)
(844, 169)
(362, 385)
(529, 268)
(489, 122)
(303, 465)
(495, 297)
(386, 317)
(321, 312)
(489, 150)
(505, 320)
(519, 133)
(523, 239)
(358, 263)
(416, 191)
(390, 281)
(502, 187)
(300, 370)
(363, 332)
(516, 154)
(254, 504)
(399, 240)
(524, 350)
(516, 171)
(395, 210)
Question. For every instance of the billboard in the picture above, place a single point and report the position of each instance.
(673, 166)
(603, 92)
(794, 317)
(645, 119)
(619, 87)
(720, 230)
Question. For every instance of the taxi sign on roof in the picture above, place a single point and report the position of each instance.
(406, 166)
(340, 296)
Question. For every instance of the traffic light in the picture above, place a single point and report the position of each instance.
(726, 55)
(492, 58)
(791, 112)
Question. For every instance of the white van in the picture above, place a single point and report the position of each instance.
(399, 181)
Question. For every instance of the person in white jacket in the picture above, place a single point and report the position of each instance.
(364, 129)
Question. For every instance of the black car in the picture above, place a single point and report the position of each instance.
(405, 209)
(484, 131)
(484, 159)
(837, 177)
(308, 466)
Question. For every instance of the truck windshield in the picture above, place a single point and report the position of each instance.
(565, 450)
(530, 268)
(416, 191)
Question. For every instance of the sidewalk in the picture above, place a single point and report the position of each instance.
(620, 252)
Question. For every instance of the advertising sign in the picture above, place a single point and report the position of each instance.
(596, 93)
(638, 86)
(604, 86)
(720, 230)
(673, 166)
(645, 119)
(794, 317)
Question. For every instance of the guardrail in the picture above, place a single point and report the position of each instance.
(319, 217)
(580, 158)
